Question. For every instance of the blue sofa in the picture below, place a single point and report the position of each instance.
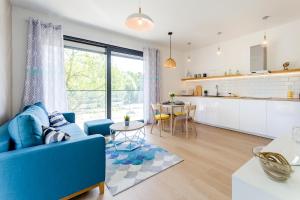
(50, 171)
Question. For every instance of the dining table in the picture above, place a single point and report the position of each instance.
(170, 109)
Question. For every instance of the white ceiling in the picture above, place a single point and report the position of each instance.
(195, 21)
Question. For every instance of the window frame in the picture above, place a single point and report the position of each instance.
(108, 51)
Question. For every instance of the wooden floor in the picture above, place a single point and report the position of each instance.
(209, 161)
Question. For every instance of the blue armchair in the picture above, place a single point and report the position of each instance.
(53, 171)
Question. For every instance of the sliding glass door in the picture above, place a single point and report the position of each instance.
(126, 86)
(85, 69)
(103, 82)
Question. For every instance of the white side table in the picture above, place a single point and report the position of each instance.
(132, 134)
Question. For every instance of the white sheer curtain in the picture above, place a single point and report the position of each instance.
(45, 74)
(151, 81)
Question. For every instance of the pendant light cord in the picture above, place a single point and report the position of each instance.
(170, 34)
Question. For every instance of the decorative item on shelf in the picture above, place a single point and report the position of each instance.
(170, 62)
(274, 164)
(205, 92)
(290, 93)
(139, 21)
(286, 65)
(198, 90)
(195, 75)
(188, 74)
(225, 73)
(198, 75)
(237, 72)
(172, 96)
(126, 120)
(204, 75)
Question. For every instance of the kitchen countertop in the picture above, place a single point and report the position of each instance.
(251, 98)
(250, 182)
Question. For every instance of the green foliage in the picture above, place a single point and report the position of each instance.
(86, 82)
(126, 118)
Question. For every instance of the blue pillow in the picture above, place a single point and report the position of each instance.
(26, 131)
(39, 104)
(4, 138)
(26, 128)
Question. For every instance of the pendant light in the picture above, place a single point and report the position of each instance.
(170, 62)
(219, 52)
(265, 41)
(189, 59)
(139, 22)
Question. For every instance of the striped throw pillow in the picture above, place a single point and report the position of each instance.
(51, 135)
(56, 119)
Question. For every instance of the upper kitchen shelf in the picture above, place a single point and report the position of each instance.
(270, 73)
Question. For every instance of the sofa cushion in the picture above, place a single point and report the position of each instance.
(52, 135)
(57, 119)
(26, 128)
(39, 113)
(39, 104)
(73, 130)
(26, 131)
(5, 140)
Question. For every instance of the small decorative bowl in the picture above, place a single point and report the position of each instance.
(274, 164)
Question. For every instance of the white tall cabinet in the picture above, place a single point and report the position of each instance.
(269, 118)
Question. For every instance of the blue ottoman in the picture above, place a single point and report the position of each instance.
(98, 127)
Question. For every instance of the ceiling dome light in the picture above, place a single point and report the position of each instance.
(139, 22)
(170, 62)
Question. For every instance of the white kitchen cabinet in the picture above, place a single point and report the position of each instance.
(209, 115)
(263, 117)
(228, 113)
(282, 116)
(253, 116)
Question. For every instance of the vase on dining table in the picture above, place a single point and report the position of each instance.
(172, 97)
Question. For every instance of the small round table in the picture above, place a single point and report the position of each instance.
(132, 134)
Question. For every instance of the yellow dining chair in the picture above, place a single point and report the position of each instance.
(158, 117)
(187, 117)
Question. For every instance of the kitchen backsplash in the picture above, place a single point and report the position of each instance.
(266, 86)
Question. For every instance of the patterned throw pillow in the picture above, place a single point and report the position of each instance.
(56, 119)
(51, 135)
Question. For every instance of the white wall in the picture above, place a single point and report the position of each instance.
(19, 32)
(284, 45)
(5, 60)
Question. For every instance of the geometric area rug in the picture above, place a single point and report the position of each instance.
(124, 169)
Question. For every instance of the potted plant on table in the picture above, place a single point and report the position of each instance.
(126, 120)
(172, 96)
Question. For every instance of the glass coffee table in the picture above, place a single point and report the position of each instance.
(127, 138)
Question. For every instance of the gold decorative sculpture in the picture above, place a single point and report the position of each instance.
(274, 164)
(286, 65)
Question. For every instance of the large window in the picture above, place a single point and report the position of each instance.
(127, 86)
(103, 81)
